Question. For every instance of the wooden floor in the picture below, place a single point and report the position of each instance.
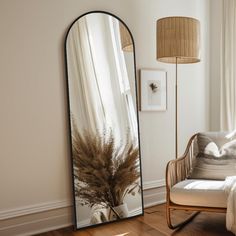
(153, 223)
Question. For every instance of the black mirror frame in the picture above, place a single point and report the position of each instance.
(69, 123)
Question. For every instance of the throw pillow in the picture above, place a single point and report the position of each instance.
(216, 158)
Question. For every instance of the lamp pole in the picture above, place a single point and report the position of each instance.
(176, 108)
(178, 41)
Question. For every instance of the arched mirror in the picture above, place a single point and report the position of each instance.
(104, 128)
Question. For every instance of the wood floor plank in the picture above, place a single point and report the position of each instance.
(153, 223)
(132, 227)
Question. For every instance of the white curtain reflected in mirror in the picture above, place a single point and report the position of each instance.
(103, 117)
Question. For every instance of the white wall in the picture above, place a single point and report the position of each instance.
(215, 39)
(35, 162)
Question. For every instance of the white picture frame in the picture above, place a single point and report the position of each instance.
(153, 85)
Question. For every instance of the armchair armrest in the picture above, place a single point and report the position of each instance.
(179, 169)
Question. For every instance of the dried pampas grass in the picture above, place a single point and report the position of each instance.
(104, 174)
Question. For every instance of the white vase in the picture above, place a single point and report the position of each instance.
(121, 210)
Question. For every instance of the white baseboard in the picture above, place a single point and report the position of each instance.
(35, 223)
(154, 197)
(154, 184)
(31, 209)
(45, 217)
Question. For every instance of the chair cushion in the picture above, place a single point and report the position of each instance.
(217, 156)
(197, 192)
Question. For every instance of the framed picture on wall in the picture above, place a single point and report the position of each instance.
(153, 90)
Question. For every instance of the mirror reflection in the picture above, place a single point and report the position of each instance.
(103, 117)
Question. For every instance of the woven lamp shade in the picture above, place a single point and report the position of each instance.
(126, 40)
(178, 37)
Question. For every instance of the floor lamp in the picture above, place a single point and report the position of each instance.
(178, 42)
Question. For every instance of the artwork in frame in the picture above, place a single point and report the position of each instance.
(153, 90)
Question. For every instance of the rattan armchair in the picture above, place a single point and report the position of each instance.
(178, 170)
